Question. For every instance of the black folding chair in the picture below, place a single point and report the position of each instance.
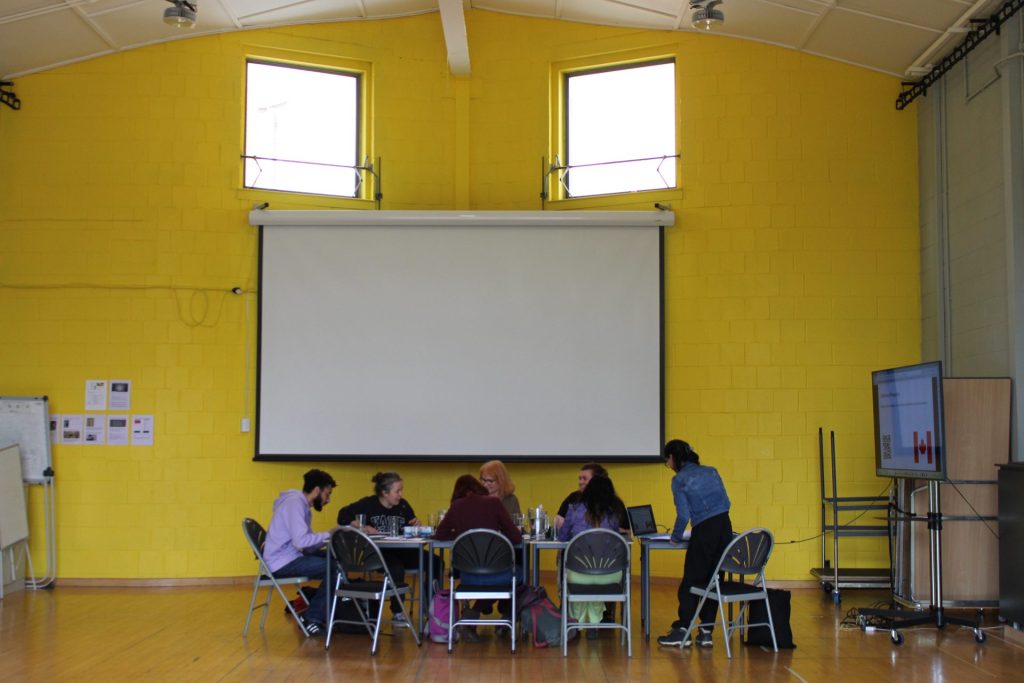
(256, 535)
(746, 555)
(601, 557)
(356, 553)
(486, 556)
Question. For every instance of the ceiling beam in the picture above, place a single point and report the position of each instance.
(453, 21)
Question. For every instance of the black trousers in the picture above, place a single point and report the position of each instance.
(399, 560)
(707, 542)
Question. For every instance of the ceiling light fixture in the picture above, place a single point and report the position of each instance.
(705, 15)
(182, 15)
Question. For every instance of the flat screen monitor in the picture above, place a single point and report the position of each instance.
(909, 426)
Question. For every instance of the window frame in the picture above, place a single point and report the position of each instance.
(367, 187)
(559, 136)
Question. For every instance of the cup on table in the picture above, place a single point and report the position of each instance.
(395, 525)
(409, 531)
(359, 522)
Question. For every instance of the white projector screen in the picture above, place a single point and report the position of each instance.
(447, 336)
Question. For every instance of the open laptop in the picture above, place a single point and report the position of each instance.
(641, 523)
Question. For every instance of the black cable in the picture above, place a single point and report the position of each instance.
(845, 524)
(976, 513)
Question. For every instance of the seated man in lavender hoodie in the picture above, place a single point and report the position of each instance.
(292, 548)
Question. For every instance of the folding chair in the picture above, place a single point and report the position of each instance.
(356, 553)
(482, 558)
(256, 535)
(599, 559)
(746, 555)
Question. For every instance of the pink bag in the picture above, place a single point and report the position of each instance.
(437, 624)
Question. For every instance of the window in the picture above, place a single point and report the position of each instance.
(620, 129)
(302, 129)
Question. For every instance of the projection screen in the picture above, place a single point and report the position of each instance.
(388, 335)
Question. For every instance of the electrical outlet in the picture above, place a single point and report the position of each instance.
(245, 425)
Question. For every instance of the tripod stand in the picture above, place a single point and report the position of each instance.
(936, 612)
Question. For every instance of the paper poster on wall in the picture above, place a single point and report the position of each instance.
(95, 430)
(95, 394)
(120, 394)
(117, 430)
(142, 430)
(54, 429)
(71, 429)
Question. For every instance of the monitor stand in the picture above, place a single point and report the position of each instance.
(936, 615)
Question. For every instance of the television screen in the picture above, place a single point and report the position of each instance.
(909, 428)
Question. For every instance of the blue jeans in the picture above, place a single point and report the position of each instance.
(315, 566)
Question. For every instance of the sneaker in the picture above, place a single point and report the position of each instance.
(704, 638)
(313, 628)
(594, 634)
(399, 619)
(675, 638)
(469, 634)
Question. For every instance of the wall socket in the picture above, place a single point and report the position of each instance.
(245, 425)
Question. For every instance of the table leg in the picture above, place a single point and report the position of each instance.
(645, 589)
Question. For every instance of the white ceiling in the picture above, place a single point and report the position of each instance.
(899, 37)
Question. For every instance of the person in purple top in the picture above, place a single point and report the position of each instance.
(598, 508)
(292, 548)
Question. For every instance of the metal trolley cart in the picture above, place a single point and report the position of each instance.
(832, 576)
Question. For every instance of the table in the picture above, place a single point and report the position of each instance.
(535, 547)
(646, 546)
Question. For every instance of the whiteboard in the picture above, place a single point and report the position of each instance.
(13, 519)
(24, 420)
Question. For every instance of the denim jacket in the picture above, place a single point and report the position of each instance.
(699, 494)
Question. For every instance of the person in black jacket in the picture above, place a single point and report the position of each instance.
(386, 502)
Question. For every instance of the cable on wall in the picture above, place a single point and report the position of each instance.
(197, 314)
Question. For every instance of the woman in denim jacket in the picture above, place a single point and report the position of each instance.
(701, 500)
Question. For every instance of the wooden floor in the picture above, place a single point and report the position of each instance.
(194, 634)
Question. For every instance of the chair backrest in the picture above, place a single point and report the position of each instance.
(256, 535)
(483, 552)
(356, 552)
(597, 551)
(747, 553)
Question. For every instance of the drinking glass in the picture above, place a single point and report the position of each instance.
(395, 525)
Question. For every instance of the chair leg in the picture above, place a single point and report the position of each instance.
(771, 625)
(252, 606)
(408, 619)
(512, 627)
(725, 628)
(380, 617)
(565, 627)
(266, 607)
(451, 613)
(695, 621)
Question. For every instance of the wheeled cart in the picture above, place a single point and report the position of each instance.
(833, 577)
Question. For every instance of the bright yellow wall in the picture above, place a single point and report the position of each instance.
(790, 274)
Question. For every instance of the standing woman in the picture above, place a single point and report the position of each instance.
(495, 479)
(700, 499)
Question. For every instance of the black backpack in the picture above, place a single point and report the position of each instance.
(779, 601)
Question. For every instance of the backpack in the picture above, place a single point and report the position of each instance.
(437, 624)
(778, 601)
(541, 619)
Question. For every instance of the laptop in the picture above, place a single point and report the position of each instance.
(641, 523)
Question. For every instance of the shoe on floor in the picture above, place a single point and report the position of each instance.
(676, 637)
(704, 638)
(399, 619)
(593, 634)
(469, 634)
(313, 628)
